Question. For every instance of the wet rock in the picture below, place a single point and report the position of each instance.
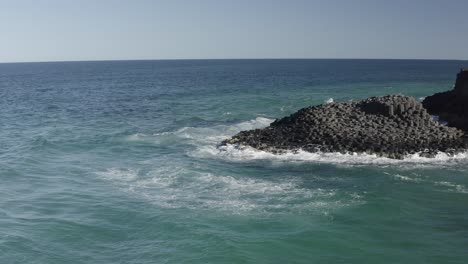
(391, 126)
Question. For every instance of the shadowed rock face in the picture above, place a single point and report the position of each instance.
(452, 106)
(391, 126)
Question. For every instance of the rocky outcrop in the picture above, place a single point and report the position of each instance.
(452, 106)
(391, 126)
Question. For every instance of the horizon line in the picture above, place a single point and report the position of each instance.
(220, 59)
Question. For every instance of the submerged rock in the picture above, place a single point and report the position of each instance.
(392, 126)
(452, 106)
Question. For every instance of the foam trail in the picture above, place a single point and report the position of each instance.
(445, 185)
(453, 186)
(174, 186)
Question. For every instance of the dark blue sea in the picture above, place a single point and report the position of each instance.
(116, 162)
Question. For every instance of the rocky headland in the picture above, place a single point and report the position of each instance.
(391, 126)
(451, 106)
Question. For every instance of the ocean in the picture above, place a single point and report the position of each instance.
(116, 162)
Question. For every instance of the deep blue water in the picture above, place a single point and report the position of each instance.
(116, 162)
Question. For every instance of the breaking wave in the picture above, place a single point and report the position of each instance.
(201, 136)
(204, 141)
(235, 153)
(172, 183)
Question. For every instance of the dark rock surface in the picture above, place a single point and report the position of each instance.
(452, 106)
(391, 126)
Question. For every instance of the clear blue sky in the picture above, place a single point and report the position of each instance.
(40, 30)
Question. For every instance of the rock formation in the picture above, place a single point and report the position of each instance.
(392, 126)
(452, 106)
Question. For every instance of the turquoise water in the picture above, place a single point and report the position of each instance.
(116, 162)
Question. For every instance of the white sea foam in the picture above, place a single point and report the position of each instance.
(437, 119)
(120, 175)
(453, 186)
(200, 135)
(178, 187)
(205, 141)
(329, 101)
(286, 108)
(407, 178)
(445, 185)
(234, 153)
